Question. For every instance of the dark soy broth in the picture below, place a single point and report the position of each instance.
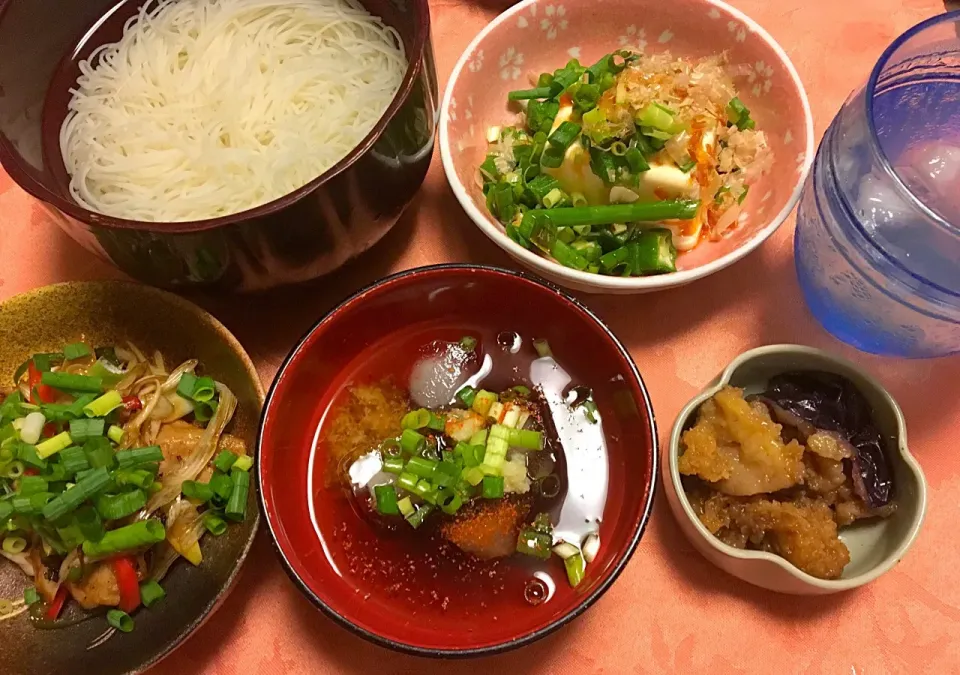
(418, 571)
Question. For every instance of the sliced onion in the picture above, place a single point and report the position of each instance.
(591, 546)
(21, 560)
(184, 526)
(566, 550)
(202, 453)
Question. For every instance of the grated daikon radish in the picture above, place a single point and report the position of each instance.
(205, 108)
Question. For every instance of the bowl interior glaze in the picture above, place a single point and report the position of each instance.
(317, 370)
(101, 313)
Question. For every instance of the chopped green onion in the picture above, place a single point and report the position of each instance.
(72, 382)
(417, 517)
(657, 117)
(115, 433)
(527, 94)
(739, 114)
(575, 567)
(412, 442)
(541, 114)
(555, 198)
(28, 454)
(120, 620)
(472, 475)
(136, 477)
(186, 385)
(386, 498)
(590, 409)
(408, 481)
(82, 429)
(52, 446)
(426, 490)
(449, 501)
(405, 507)
(482, 401)
(416, 419)
(204, 389)
(567, 256)
(89, 522)
(564, 135)
(222, 487)
(420, 466)
(30, 596)
(468, 343)
(215, 524)
(492, 487)
(201, 492)
(31, 485)
(99, 453)
(142, 533)
(104, 405)
(635, 160)
(203, 411)
(73, 460)
(224, 461)
(243, 463)
(466, 395)
(127, 459)
(393, 465)
(236, 509)
(525, 438)
(14, 545)
(75, 350)
(534, 543)
(14, 470)
(72, 498)
(109, 373)
(151, 593)
(688, 165)
(543, 348)
(437, 422)
(115, 507)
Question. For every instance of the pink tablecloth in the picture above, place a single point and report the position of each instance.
(670, 611)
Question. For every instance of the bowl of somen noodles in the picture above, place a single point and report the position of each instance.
(240, 144)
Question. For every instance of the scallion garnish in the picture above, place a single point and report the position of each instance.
(120, 620)
(142, 533)
(72, 382)
(386, 499)
(151, 593)
(104, 405)
(75, 350)
(236, 509)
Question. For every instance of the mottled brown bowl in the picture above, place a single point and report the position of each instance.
(108, 312)
(305, 234)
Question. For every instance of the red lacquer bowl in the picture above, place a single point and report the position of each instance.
(307, 519)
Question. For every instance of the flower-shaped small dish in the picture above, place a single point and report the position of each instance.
(875, 545)
(536, 36)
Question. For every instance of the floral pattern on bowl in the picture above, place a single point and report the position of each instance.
(542, 35)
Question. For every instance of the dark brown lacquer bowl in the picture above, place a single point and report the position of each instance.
(105, 312)
(300, 236)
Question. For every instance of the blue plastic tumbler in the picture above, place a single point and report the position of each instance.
(877, 243)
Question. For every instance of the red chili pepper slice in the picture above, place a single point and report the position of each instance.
(132, 403)
(49, 430)
(37, 389)
(30, 471)
(126, 573)
(53, 611)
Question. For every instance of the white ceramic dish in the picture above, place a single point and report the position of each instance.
(875, 545)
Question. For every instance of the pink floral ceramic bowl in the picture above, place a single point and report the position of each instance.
(537, 36)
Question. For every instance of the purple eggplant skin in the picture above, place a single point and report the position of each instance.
(832, 403)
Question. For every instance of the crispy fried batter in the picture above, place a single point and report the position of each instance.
(488, 528)
(368, 415)
(737, 446)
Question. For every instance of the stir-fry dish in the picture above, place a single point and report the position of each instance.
(513, 473)
(787, 487)
(616, 167)
(111, 468)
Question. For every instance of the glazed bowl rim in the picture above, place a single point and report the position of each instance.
(227, 337)
(909, 460)
(494, 231)
(21, 174)
(623, 556)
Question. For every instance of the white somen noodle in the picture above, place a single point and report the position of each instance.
(210, 107)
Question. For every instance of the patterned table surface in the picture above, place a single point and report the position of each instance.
(670, 611)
